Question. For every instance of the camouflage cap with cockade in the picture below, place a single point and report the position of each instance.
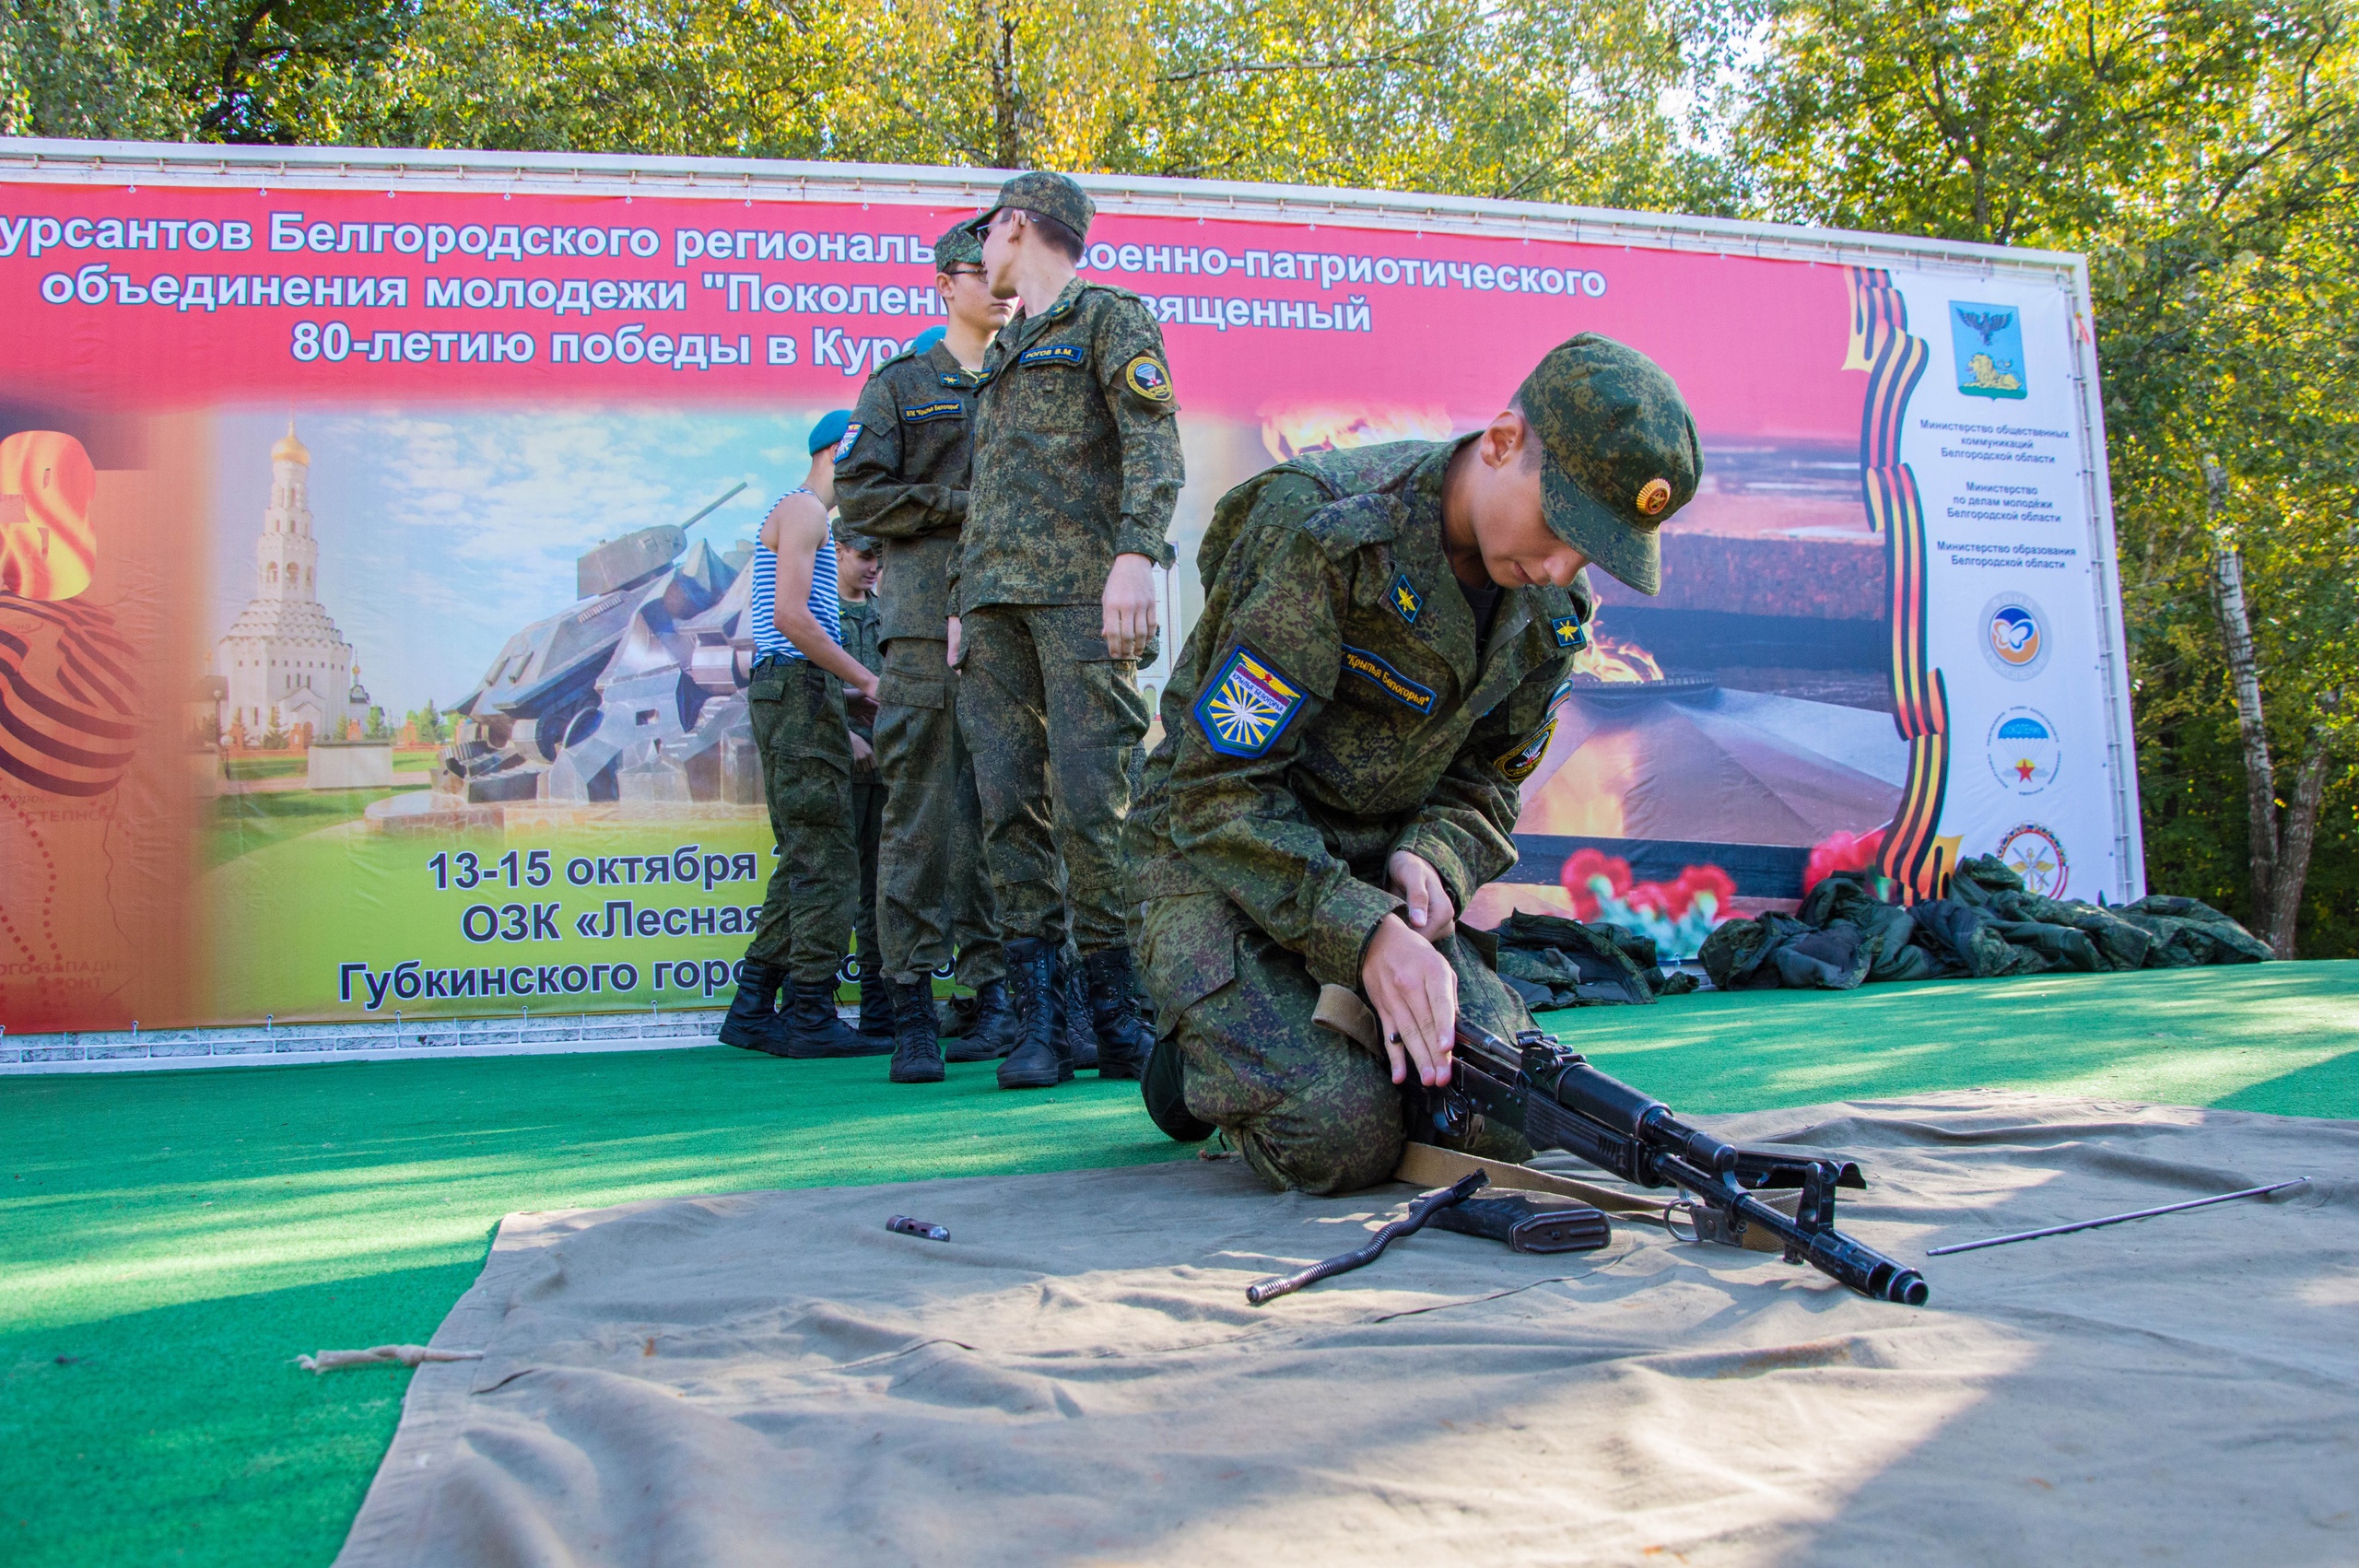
(1621, 452)
(1051, 195)
(958, 247)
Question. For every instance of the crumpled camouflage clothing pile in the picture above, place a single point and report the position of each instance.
(1553, 962)
(1989, 925)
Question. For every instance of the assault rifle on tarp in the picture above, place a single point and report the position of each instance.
(1558, 1101)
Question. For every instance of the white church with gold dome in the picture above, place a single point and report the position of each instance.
(283, 657)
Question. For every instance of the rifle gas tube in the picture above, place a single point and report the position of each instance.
(1561, 1102)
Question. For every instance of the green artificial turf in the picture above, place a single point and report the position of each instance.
(171, 1240)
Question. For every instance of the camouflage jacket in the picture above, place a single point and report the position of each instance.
(1330, 707)
(1076, 455)
(862, 641)
(904, 481)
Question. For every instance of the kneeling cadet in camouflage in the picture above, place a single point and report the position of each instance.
(1385, 636)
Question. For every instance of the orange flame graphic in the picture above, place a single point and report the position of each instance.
(47, 547)
(1613, 660)
(1288, 434)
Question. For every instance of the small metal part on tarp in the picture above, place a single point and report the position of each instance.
(1527, 1221)
(909, 1227)
(2114, 1219)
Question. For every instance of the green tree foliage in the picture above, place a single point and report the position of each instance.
(429, 723)
(1524, 99)
(2201, 153)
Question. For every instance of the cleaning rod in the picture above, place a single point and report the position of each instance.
(2116, 1219)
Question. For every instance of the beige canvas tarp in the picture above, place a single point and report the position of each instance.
(1076, 1376)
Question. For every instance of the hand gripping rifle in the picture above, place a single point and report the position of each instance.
(1560, 1102)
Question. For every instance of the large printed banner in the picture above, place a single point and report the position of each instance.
(372, 570)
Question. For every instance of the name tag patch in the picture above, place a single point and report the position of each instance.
(1052, 354)
(944, 408)
(852, 435)
(1406, 601)
(1568, 632)
(1519, 763)
(1388, 680)
(1246, 706)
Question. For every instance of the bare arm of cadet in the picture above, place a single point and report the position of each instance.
(871, 492)
(1278, 595)
(794, 529)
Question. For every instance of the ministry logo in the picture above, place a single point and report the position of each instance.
(2015, 636)
(1987, 341)
(2034, 854)
(2023, 751)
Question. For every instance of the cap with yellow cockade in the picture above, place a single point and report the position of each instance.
(1051, 195)
(1621, 452)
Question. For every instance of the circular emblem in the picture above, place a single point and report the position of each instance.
(2015, 636)
(2023, 751)
(1147, 377)
(1654, 495)
(2034, 854)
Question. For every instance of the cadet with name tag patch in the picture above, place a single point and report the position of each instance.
(1386, 633)
(904, 479)
(1077, 467)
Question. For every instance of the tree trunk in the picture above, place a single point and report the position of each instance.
(2293, 855)
(1007, 94)
(2244, 683)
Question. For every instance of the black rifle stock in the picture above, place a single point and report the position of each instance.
(1558, 1101)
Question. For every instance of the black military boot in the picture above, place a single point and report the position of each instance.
(990, 1026)
(1124, 1039)
(1164, 1087)
(1043, 1057)
(879, 1016)
(1081, 1040)
(754, 1023)
(917, 1034)
(814, 1030)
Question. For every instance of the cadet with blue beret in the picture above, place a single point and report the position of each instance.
(796, 699)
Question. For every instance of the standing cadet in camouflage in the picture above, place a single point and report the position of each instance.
(856, 564)
(798, 711)
(1077, 467)
(904, 480)
(1374, 676)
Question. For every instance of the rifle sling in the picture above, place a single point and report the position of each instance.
(1428, 1166)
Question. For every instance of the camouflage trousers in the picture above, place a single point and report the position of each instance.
(867, 825)
(1306, 1108)
(933, 896)
(798, 721)
(1054, 725)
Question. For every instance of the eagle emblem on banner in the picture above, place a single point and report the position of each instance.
(1246, 706)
